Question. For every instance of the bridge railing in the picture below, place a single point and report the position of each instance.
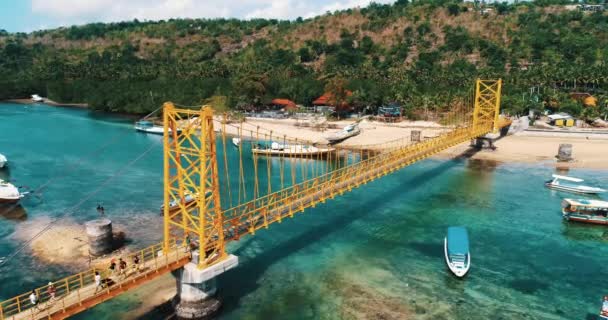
(261, 212)
(73, 285)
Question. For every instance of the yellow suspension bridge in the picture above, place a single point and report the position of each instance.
(207, 204)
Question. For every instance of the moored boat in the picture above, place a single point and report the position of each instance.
(586, 211)
(3, 161)
(149, 127)
(278, 149)
(174, 205)
(9, 193)
(557, 184)
(604, 309)
(236, 142)
(350, 130)
(456, 250)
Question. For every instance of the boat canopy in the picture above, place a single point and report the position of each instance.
(458, 240)
(567, 178)
(588, 204)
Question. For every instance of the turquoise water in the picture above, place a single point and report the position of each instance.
(375, 253)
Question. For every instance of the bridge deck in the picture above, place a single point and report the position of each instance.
(78, 293)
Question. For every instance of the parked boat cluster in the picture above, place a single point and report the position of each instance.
(591, 211)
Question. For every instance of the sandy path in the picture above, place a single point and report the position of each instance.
(588, 153)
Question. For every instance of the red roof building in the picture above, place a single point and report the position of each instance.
(286, 104)
(327, 100)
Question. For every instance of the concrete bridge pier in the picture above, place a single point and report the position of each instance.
(196, 288)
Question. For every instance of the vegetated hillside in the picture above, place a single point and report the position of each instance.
(424, 54)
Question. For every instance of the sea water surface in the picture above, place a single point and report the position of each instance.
(374, 253)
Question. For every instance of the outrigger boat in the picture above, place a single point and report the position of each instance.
(604, 310)
(350, 130)
(9, 193)
(456, 250)
(149, 127)
(586, 211)
(278, 149)
(556, 184)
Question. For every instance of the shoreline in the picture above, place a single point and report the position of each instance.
(587, 152)
(48, 102)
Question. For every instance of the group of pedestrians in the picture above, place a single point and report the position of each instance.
(117, 269)
(51, 291)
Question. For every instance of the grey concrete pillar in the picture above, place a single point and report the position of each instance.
(415, 136)
(564, 152)
(196, 288)
(99, 232)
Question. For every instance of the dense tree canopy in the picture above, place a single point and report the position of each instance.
(422, 54)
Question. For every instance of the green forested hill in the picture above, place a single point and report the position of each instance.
(422, 54)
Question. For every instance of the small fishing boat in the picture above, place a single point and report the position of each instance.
(174, 205)
(278, 149)
(350, 130)
(604, 309)
(586, 211)
(9, 193)
(3, 161)
(236, 142)
(557, 184)
(456, 249)
(149, 127)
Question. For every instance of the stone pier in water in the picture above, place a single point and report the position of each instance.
(196, 288)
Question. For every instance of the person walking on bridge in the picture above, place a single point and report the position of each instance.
(122, 266)
(34, 300)
(52, 291)
(98, 285)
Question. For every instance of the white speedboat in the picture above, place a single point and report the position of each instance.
(236, 142)
(149, 127)
(558, 184)
(456, 250)
(3, 161)
(37, 98)
(350, 130)
(9, 193)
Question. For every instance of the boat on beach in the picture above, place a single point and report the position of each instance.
(298, 150)
(557, 184)
(604, 309)
(37, 98)
(456, 250)
(9, 193)
(586, 211)
(149, 127)
(350, 130)
(3, 161)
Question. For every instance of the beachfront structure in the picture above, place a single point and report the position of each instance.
(390, 113)
(328, 101)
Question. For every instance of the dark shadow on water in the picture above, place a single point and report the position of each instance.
(13, 212)
(528, 286)
(433, 250)
(239, 283)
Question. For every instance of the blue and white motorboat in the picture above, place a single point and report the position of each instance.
(456, 249)
(557, 184)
